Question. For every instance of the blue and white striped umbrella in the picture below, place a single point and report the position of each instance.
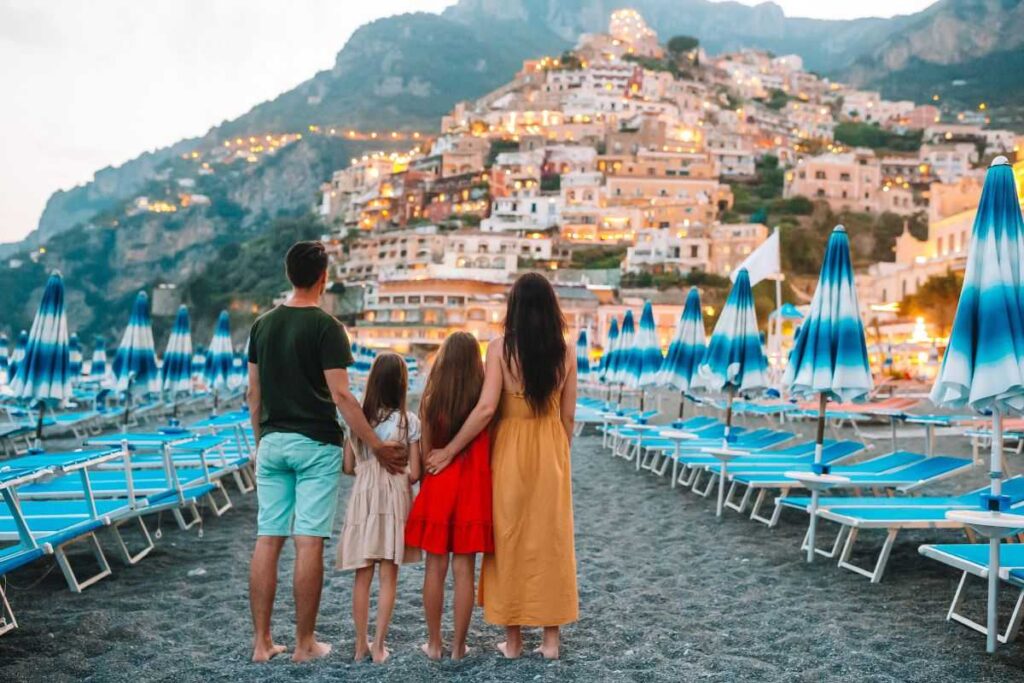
(734, 360)
(220, 356)
(199, 362)
(647, 359)
(43, 371)
(686, 351)
(829, 353)
(239, 372)
(75, 357)
(98, 365)
(624, 351)
(18, 355)
(135, 361)
(984, 363)
(582, 355)
(176, 371)
(829, 356)
(608, 354)
(5, 361)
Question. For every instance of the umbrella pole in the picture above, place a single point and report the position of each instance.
(996, 474)
(641, 401)
(725, 444)
(819, 442)
(682, 404)
(38, 445)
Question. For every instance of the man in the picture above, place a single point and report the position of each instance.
(298, 382)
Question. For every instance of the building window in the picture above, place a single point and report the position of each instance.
(819, 175)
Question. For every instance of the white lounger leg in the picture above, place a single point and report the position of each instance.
(218, 508)
(830, 554)
(7, 620)
(74, 584)
(1012, 628)
(122, 547)
(180, 518)
(740, 506)
(883, 556)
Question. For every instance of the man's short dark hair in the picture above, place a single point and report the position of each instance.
(305, 263)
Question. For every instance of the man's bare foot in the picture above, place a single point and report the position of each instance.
(311, 652)
(460, 652)
(379, 654)
(509, 652)
(549, 652)
(433, 653)
(264, 653)
(362, 651)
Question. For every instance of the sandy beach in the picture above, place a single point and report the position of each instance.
(668, 593)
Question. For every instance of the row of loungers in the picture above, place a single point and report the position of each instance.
(895, 480)
(55, 500)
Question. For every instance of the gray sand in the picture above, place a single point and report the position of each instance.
(667, 591)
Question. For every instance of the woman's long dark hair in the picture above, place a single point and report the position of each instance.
(534, 344)
(386, 387)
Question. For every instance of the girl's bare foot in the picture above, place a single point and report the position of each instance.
(362, 651)
(432, 652)
(509, 651)
(266, 652)
(380, 654)
(460, 652)
(314, 651)
(548, 651)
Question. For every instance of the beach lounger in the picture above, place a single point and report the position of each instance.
(11, 558)
(972, 560)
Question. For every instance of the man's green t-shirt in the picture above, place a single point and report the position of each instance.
(292, 347)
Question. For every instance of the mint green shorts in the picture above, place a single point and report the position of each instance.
(296, 485)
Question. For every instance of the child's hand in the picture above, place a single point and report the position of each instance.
(438, 459)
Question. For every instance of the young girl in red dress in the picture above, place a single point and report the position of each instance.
(452, 513)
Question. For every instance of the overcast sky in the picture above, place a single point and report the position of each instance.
(90, 83)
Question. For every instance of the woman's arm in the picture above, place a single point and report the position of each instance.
(348, 463)
(568, 400)
(415, 464)
(479, 418)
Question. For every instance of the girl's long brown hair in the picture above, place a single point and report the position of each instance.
(453, 388)
(386, 388)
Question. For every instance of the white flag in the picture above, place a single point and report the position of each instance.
(763, 262)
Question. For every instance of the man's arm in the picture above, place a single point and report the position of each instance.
(392, 455)
(254, 399)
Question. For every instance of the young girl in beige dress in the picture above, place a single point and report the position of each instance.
(378, 506)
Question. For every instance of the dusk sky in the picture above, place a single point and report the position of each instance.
(91, 84)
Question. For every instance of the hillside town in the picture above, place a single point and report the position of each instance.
(618, 162)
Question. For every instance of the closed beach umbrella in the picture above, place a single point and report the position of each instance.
(199, 362)
(645, 367)
(239, 372)
(4, 358)
(135, 361)
(18, 355)
(624, 349)
(787, 311)
(75, 357)
(98, 365)
(609, 348)
(983, 368)
(679, 370)
(582, 355)
(176, 371)
(830, 357)
(219, 355)
(43, 370)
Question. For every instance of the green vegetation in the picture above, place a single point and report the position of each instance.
(777, 99)
(680, 44)
(873, 136)
(936, 299)
(550, 182)
(598, 258)
(500, 146)
(653, 64)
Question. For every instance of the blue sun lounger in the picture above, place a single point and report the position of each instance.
(657, 447)
(892, 514)
(902, 471)
(972, 560)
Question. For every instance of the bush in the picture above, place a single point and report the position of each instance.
(680, 44)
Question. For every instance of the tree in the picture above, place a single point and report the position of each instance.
(936, 300)
(680, 44)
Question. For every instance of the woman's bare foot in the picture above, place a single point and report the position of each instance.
(548, 651)
(362, 651)
(266, 652)
(432, 652)
(314, 651)
(460, 652)
(380, 654)
(510, 652)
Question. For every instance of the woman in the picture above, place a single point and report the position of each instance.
(530, 384)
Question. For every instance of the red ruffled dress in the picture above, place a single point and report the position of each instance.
(452, 512)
